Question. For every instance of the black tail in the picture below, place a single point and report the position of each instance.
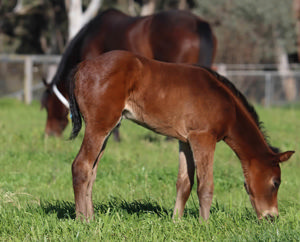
(207, 44)
(74, 109)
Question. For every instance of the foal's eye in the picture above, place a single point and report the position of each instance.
(276, 184)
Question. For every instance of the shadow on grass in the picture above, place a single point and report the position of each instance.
(138, 207)
(221, 210)
(152, 138)
(66, 210)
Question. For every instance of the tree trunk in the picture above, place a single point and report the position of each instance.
(131, 8)
(77, 18)
(182, 5)
(287, 79)
(296, 7)
(19, 6)
(148, 7)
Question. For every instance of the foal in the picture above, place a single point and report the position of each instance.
(192, 104)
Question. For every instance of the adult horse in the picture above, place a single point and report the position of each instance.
(171, 36)
(192, 104)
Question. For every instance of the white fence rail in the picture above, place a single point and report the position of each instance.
(260, 83)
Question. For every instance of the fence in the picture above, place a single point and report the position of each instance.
(21, 75)
(11, 82)
(263, 83)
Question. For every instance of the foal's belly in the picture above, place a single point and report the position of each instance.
(166, 125)
(178, 121)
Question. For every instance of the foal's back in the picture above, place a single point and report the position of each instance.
(171, 99)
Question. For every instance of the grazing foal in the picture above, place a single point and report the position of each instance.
(192, 104)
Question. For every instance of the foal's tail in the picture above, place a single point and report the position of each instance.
(74, 109)
(208, 44)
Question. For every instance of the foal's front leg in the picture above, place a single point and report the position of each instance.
(185, 179)
(203, 147)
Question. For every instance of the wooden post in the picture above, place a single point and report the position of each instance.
(28, 80)
(268, 90)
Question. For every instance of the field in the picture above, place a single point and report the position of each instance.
(134, 193)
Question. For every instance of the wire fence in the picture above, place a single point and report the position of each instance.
(267, 87)
(21, 77)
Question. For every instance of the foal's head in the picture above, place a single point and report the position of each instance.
(57, 113)
(262, 181)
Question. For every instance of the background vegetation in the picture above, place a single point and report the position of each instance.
(248, 30)
(134, 193)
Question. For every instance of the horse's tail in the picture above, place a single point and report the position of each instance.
(208, 43)
(74, 109)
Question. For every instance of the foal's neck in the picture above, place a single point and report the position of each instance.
(246, 138)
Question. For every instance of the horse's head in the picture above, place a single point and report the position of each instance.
(262, 181)
(56, 113)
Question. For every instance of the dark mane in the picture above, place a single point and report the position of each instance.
(71, 58)
(249, 107)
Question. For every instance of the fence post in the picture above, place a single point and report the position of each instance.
(268, 90)
(28, 80)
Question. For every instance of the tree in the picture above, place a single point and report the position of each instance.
(78, 18)
(34, 27)
(247, 30)
(148, 7)
(296, 9)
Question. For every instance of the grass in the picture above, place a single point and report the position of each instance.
(134, 193)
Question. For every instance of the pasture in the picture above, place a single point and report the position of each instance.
(134, 193)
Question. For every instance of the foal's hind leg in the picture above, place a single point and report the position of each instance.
(203, 147)
(185, 178)
(89, 199)
(84, 170)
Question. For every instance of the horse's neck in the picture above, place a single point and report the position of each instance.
(246, 139)
(63, 87)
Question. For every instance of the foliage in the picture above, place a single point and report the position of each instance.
(247, 30)
(39, 28)
(250, 28)
(134, 192)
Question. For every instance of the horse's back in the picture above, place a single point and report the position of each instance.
(170, 36)
(182, 37)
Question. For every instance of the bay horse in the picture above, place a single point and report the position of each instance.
(171, 36)
(192, 104)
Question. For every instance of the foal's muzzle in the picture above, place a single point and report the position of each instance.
(271, 217)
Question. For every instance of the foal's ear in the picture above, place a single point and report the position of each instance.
(282, 157)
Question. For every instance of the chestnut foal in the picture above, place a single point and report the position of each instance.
(192, 104)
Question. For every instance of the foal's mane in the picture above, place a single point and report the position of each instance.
(249, 107)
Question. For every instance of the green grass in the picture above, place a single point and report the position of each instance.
(134, 193)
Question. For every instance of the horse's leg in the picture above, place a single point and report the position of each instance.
(116, 134)
(203, 147)
(185, 179)
(89, 200)
(89, 197)
(84, 170)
